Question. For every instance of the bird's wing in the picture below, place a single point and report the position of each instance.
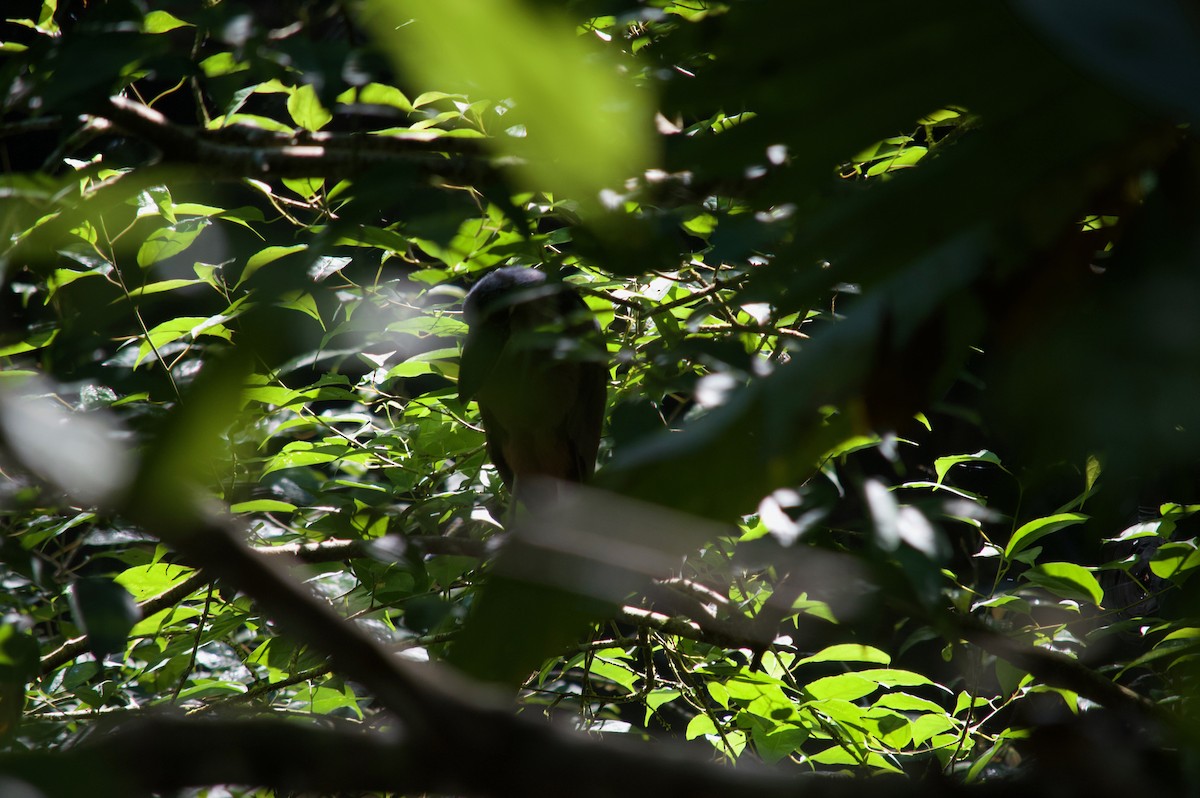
(481, 351)
(496, 442)
(585, 419)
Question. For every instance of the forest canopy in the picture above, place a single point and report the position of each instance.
(896, 316)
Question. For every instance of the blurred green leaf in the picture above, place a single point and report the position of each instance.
(588, 128)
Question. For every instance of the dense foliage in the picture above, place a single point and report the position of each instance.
(899, 478)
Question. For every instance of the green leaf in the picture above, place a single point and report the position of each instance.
(168, 241)
(965, 700)
(658, 698)
(616, 672)
(208, 688)
(324, 700)
(845, 686)
(661, 696)
(747, 685)
(251, 121)
(1009, 677)
(1162, 528)
(162, 286)
(1186, 633)
(263, 506)
(771, 704)
(1175, 560)
(979, 764)
(939, 116)
(307, 110)
(893, 677)
(301, 453)
(1038, 529)
(699, 726)
(907, 703)
(891, 728)
(146, 581)
(303, 303)
(305, 187)
(380, 94)
(161, 22)
(222, 64)
(1067, 580)
(1092, 474)
(36, 340)
(902, 159)
(1069, 697)
(1177, 511)
(848, 652)
(273, 395)
(154, 624)
(838, 755)
(779, 742)
(265, 256)
(926, 726)
(410, 368)
(181, 327)
(942, 465)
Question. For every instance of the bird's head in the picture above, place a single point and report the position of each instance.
(495, 296)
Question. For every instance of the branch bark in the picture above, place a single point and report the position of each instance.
(531, 760)
(251, 152)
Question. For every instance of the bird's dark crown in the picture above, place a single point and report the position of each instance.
(503, 288)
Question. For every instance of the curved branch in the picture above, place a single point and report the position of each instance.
(1059, 670)
(250, 152)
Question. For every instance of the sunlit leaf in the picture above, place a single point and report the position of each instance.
(1068, 580)
(1038, 528)
(848, 652)
(170, 241)
(144, 581)
(306, 109)
(846, 686)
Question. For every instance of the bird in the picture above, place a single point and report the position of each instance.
(532, 360)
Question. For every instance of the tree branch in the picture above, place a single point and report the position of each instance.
(535, 760)
(250, 152)
(1059, 670)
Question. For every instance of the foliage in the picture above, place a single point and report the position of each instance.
(900, 466)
